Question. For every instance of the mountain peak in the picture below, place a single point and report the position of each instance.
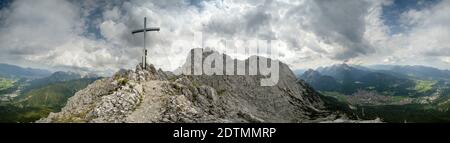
(342, 66)
(310, 73)
(150, 95)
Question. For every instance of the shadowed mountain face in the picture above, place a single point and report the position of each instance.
(150, 95)
(342, 72)
(321, 82)
(419, 72)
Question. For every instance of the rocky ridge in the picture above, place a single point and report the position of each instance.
(150, 95)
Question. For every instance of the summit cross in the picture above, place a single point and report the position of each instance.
(144, 57)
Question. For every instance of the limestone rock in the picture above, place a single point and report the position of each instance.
(151, 95)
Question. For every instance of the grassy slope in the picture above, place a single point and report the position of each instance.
(53, 95)
(423, 86)
(13, 113)
(6, 83)
(403, 113)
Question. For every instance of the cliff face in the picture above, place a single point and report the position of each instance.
(150, 95)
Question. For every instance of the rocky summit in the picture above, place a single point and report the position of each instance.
(151, 95)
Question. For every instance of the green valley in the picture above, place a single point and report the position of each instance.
(38, 103)
(391, 93)
(27, 95)
(6, 83)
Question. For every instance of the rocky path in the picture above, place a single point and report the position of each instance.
(150, 109)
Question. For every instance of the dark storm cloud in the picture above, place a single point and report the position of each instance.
(252, 23)
(340, 22)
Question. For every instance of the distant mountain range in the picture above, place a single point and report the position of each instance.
(384, 79)
(56, 77)
(418, 72)
(12, 71)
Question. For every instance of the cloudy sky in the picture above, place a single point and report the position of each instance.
(95, 34)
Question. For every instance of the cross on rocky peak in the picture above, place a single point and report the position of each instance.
(144, 57)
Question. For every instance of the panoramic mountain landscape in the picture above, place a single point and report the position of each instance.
(336, 93)
(225, 61)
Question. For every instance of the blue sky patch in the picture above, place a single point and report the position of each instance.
(391, 13)
(4, 3)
